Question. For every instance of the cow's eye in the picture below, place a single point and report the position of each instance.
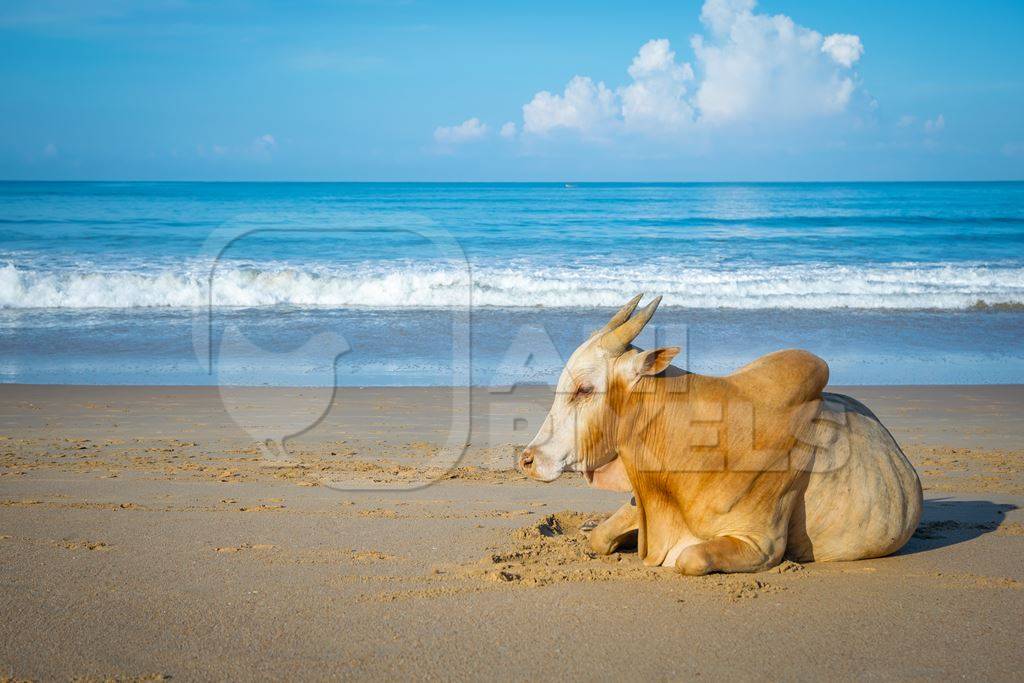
(584, 390)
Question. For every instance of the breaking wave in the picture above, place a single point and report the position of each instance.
(890, 286)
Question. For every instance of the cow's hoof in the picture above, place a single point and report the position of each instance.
(693, 562)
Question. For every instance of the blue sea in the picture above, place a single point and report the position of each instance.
(495, 284)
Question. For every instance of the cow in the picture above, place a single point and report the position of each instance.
(728, 474)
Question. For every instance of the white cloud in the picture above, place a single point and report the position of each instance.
(758, 66)
(935, 125)
(751, 69)
(265, 142)
(906, 120)
(843, 48)
(469, 130)
(721, 15)
(655, 100)
(259, 149)
(583, 106)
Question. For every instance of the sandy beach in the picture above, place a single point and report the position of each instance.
(145, 535)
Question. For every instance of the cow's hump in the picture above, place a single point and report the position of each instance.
(783, 378)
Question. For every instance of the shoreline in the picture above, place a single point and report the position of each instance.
(423, 348)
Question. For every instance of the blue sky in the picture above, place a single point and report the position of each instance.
(784, 90)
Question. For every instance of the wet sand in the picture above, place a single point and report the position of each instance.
(144, 534)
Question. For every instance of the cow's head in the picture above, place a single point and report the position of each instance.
(578, 434)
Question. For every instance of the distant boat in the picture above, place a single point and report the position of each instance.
(569, 185)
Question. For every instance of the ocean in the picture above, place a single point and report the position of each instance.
(495, 284)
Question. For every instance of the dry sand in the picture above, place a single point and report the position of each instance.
(143, 535)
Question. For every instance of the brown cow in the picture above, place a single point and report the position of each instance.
(731, 473)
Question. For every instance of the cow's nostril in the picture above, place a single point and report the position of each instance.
(526, 459)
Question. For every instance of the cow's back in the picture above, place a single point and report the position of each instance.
(861, 497)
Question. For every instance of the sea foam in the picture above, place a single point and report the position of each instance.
(407, 285)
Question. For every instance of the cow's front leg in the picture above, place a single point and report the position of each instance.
(615, 531)
(728, 554)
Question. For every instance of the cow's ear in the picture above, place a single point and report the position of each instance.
(654, 361)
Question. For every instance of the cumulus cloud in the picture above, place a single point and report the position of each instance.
(721, 15)
(760, 66)
(469, 130)
(748, 68)
(655, 100)
(843, 48)
(583, 106)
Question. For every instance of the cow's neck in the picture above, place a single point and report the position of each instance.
(646, 415)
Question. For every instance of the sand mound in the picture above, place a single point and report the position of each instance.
(567, 524)
(552, 550)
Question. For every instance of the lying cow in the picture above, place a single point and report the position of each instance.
(728, 474)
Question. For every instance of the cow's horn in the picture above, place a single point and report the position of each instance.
(622, 316)
(618, 340)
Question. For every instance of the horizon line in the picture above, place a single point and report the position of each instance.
(513, 182)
